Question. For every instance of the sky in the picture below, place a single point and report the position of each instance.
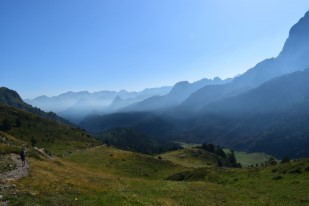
(54, 46)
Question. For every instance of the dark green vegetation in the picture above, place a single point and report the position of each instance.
(28, 128)
(145, 122)
(224, 159)
(132, 140)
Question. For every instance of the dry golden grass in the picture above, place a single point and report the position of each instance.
(108, 176)
(191, 158)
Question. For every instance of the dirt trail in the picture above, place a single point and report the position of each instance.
(20, 171)
(7, 177)
(4, 203)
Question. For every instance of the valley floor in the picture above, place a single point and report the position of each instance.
(108, 176)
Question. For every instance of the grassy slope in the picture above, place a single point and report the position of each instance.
(56, 137)
(248, 159)
(190, 157)
(187, 158)
(108, 176)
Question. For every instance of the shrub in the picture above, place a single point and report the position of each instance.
(33, 141)
(285, 160)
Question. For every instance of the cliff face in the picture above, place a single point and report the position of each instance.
(293, 57)
(295, 53)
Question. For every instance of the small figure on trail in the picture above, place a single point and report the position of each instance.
(23, 156)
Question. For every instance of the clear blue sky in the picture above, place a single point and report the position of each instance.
(53, 46)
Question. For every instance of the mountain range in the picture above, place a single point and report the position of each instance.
(264, 109)
(75, 106)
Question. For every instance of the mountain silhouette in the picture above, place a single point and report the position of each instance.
(293, 57)
(180, 92)
(75, 106)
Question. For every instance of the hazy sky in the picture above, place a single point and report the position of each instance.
(53, 46)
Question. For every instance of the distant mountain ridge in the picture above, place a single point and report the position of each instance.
(76, 105)
(67, 100)
(272, 96)
(180, 92)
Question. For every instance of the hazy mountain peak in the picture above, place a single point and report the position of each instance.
(123, 91)
(217, 79)
(71, 93)
(41, 98)
(298, 40)
(116, 100)
(181, 84)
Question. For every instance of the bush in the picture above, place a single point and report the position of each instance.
(285, 160)
(272, 161)
(33, 141)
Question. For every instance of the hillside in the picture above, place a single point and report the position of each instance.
(270, 97)
(132, 140)
(12, 98)
(146, 122)
(264, 119)
(27, 128)
(104, 175)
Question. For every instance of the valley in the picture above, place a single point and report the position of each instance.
(188, 137)
(75, 169)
